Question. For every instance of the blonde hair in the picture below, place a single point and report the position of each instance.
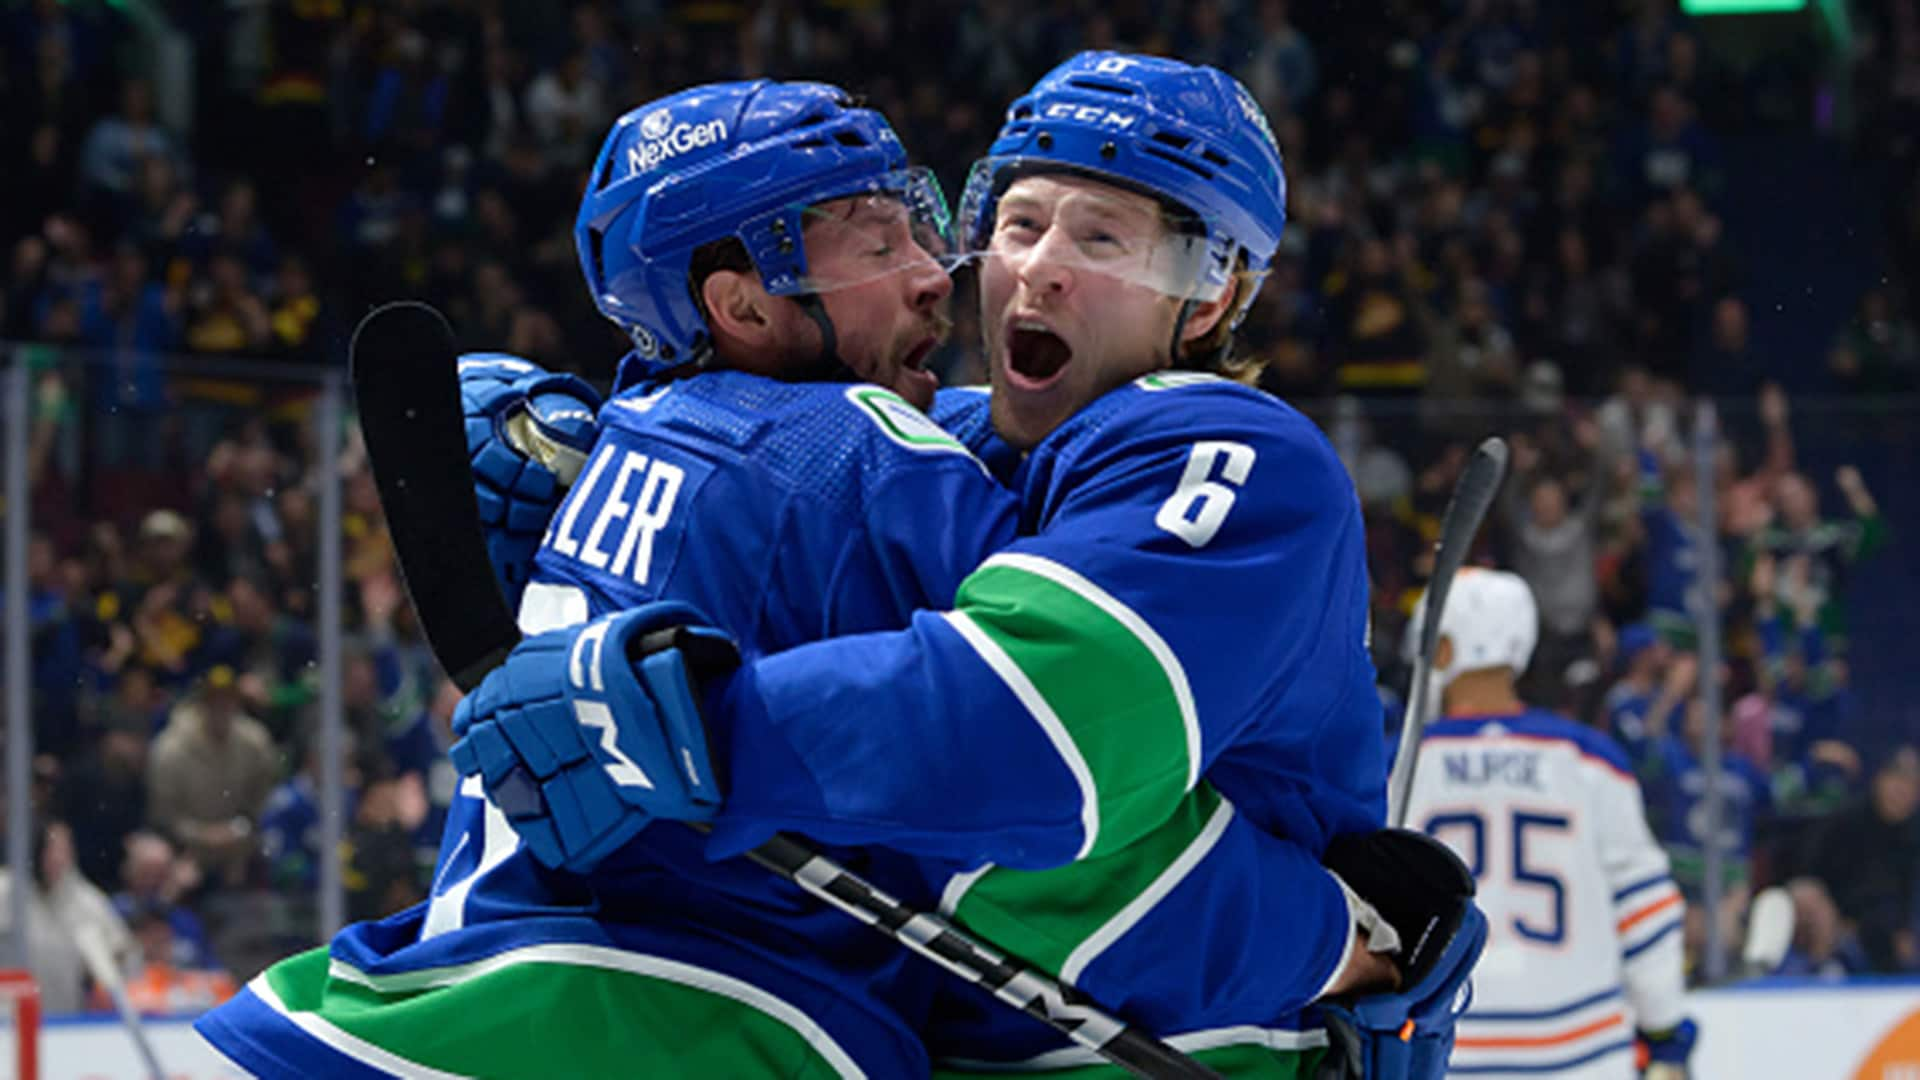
(1213, 351)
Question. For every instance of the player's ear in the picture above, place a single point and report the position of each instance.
(738, 306)
(1443, 654)
(1206, 315)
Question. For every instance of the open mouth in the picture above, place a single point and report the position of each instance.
(912, 380)
(1035, 353)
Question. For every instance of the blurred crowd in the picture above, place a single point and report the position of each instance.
(1603, 514)
(1505, 216)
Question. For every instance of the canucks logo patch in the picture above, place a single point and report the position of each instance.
(1255, 113)
(904, 424)
(1174, 380)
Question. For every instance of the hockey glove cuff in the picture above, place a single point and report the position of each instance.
(1414, 882)
(528, 434)
(1663, 1055)
(1407, 1035)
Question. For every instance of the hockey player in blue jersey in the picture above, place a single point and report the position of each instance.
(1105, 730)
(819, 495)
(769, 248)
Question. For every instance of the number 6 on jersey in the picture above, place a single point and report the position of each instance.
(1198, 506)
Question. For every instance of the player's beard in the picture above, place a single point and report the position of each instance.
(940, 325)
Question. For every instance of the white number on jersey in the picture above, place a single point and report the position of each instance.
(1198, 506)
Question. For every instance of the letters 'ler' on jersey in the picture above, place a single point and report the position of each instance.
(1583, 941)
(785, 512)
(811, 505)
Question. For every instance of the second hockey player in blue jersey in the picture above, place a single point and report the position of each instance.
(1134, 735)
(741, 465)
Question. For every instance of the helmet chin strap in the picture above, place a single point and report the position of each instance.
(1208, 362)
(827, 366)
(1179, 328)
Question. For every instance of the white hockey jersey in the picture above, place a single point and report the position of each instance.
(1583, 943)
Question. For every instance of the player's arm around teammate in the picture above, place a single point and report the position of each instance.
(1170, 666)
(762, 244)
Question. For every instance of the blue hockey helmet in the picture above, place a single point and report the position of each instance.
(746, 160)
(1188, 135)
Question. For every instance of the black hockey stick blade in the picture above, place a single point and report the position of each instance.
(1466, 509)
(406, 382)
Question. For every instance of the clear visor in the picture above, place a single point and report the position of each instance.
(897, 224)
(1014, 217)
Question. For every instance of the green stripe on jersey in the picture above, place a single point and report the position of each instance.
(555, 1009)
(1062, 919)
(1111, 694)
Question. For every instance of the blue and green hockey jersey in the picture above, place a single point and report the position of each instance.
(1187, 598)
(787, 512)
(1130, 736)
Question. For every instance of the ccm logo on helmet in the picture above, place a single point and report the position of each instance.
(1091, 114)
(662, 139)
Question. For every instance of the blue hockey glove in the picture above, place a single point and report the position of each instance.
(1408, 1034)
(586, 734)
(1420, 888)
(528, 434)
(1663, 1055)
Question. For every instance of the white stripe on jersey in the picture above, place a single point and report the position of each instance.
(1043, 714)
(591, 956)
(1280, 1039)
(351, 1045)
(1127, 917)
(1148, 637)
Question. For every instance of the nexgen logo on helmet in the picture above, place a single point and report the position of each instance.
(662, 139)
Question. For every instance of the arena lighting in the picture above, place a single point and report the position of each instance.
(1739, 7)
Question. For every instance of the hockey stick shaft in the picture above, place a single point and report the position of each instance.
(405, 374)
(1466, 509)
(100, 964)
(1012, 981)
